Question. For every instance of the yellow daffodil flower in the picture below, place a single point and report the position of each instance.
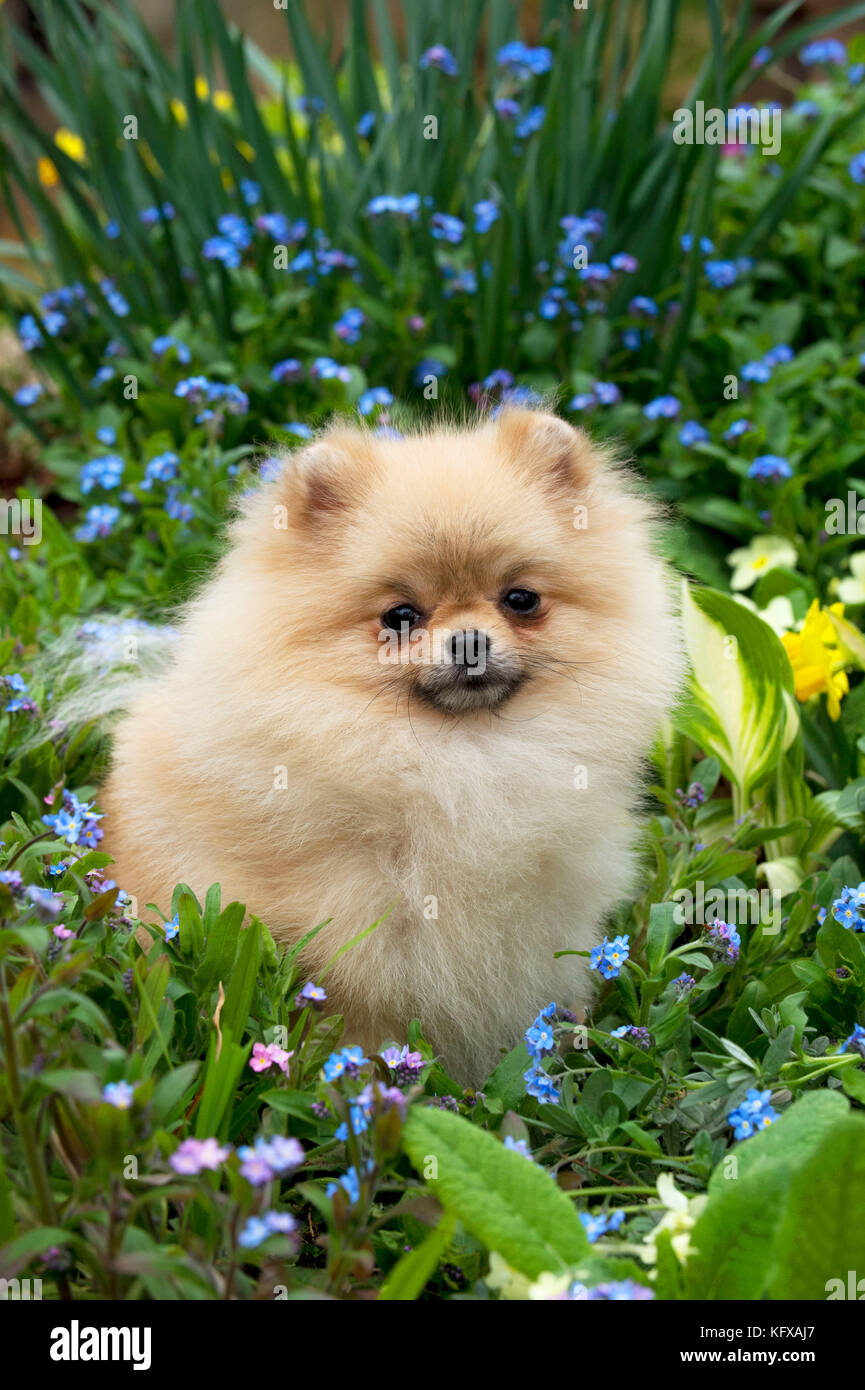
(817, 661)
(71, 144)
(178, 111)
(47, 171)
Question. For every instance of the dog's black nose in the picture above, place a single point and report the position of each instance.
(469, 649)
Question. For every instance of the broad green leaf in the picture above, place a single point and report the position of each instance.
(822, 1235)
(507, 1202)
(735, 1237)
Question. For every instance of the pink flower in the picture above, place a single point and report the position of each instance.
(62, 933)
(194, 1155)
(267, 1056)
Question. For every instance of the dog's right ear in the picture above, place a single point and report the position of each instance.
(328, 478)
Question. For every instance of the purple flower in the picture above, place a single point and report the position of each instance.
(692, 433)
(447, 228)
(289, 369)
(348, 326)
(46, 903)
(825, 51)
(486, 213)
(221, 248)
(12, 879)
(607, 392)
(326, 369)
(194, 1155)
(541, 1086)
(105, 472)
(119, 1094)
(721, 274)
(258, 1228)
(530, 123)
(523, 61)
(662, 407)
(310, 994)
(856, 167)
(28, 333)
(26, 396)
(599, 1225)
(406, 206)
(722, 935)
(770, 468)
(165, 344)
(738, 428)
(753, 1113)
(439, 57)
(375, 396)
(856, 1041)
(756, 371)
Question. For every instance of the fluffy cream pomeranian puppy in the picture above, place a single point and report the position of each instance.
(424, 677)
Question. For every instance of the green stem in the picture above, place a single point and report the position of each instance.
(44, 1200)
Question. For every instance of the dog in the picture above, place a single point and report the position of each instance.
(420, 687)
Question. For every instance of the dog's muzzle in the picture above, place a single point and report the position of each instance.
(470, 674)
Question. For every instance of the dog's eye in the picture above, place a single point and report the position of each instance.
(522, 601)
(401, 616)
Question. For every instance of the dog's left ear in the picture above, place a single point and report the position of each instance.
(547, 449)
(328, 477)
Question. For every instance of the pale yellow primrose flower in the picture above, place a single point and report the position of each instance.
(507, 1282)
(852, 590)
(778, 612)
(752, 561)
(682, 1214)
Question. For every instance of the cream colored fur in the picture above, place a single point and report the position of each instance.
(279, 757)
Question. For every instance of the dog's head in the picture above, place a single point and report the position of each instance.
(458, 569)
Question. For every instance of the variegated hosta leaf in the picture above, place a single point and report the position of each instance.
(740, 704)
(782, 876)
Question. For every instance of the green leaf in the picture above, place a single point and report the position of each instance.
(410, 1275)
(822, 1235)
(741, 687)
(241, 985)
(663, 930)
(221, 947)
(170, 1090)
(734, 1238)
(506, 1082)
(511, 1205)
